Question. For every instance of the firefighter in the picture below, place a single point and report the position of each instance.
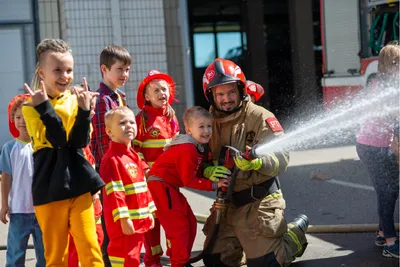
(253, 223)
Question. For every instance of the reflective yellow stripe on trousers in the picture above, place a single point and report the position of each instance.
(116, 261)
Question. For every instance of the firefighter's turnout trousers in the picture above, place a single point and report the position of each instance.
(259, 230)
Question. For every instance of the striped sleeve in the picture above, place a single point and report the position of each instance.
(115, 192)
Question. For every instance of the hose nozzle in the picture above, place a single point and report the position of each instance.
(250, 153)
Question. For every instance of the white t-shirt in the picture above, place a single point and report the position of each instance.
(16, 159)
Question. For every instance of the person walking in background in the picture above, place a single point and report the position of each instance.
(373, 148)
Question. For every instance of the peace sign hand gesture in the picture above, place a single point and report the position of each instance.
(38, 97)
(85, 97)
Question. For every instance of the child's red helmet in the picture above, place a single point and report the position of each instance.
(254, 89)
(222, 71)
(11, 125)
(152, 75)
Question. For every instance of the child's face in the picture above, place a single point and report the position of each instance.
(57, 72)
(19, 122)
(117, 76)
(200, 129)
(122, 128)
(157, 93)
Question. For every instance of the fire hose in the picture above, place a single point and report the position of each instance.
(224, 195)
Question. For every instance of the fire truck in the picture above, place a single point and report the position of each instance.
(352, 33)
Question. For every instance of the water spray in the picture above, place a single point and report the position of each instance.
(322, 129)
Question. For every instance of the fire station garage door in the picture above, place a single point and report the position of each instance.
(11, 73)
(342, 41)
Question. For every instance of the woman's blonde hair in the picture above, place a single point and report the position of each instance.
(54, 45)
(389, 57)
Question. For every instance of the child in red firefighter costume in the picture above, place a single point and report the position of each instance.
(157, 125)
(177, 167)
(128, 205)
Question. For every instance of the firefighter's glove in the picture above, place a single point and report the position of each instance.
(214, 173)
(247, 165)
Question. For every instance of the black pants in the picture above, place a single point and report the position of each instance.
(384, 173)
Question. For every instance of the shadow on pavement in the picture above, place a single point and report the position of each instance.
(360, 247)
(326, 203)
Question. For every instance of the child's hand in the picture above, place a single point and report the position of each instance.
(85, 97)
(223, 183)
(152, 221)
(4, 213)
(127, 226)
(38, 97)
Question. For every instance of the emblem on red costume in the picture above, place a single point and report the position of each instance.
(154, 132)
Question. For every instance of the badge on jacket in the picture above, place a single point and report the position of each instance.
(155, 132)
(274, 124)
(250, 138)
(131, 168)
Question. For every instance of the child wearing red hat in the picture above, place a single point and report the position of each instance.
(157, 125)
(16, 165)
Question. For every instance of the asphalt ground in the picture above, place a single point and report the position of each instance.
(347, 198)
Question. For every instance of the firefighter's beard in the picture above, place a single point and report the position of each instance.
(228, 107)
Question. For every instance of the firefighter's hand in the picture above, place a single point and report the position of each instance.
(214, 173)
(127, 226)
(247, 165)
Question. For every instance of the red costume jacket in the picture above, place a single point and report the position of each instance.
(179, 164)
(159, 131)
(125, 194)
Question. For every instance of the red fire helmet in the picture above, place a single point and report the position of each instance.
(254, 89)
(222, 71)
(152, 75)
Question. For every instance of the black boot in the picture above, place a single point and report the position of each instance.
(301, 221)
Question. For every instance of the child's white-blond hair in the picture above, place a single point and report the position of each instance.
(108, 117)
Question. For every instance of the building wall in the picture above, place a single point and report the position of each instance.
(175, 53)
(49, 19)
(17, 54)
(90, 25)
